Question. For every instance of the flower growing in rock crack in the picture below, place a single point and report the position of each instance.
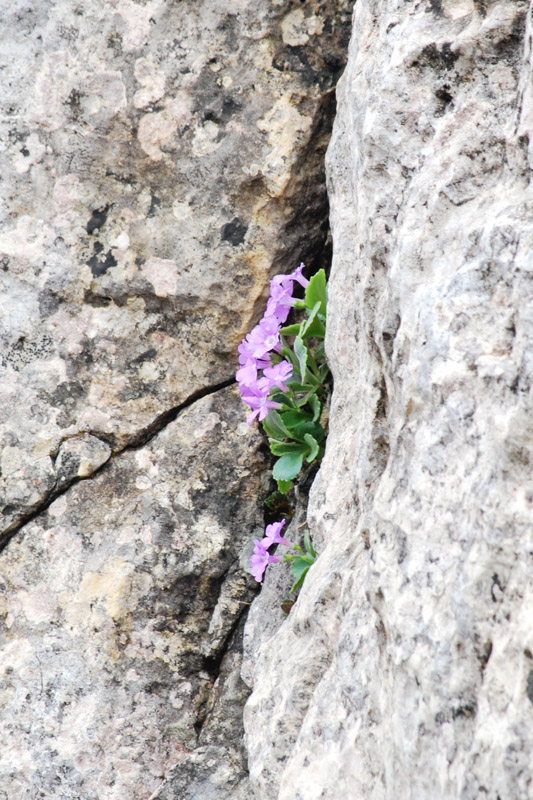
(295, 275)
(280, 302)
(260, 559)
(276, 376)
(273, 534)
(281, 299)
(247, 375)
(257, 399)
(264, 337)
(255, 349)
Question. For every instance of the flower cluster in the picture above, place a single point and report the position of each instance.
(261, 558)
(300, 560)
(255, 350)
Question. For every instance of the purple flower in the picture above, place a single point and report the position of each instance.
(247, 375)
(260, 559)
(298, 277)
(272, 534)
(276, 376)
(285, 281)
(279, 308)
(245, 352)
(257, 398)
(263, 338)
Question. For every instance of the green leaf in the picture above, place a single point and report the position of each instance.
(301, 387)
(292, 418)
(287, 353)
(313, 447)
(287, 467)
(291, 330)
(315, 404)
(301, 354)
(316, 328)
(309, 545)
(274, 427)
(299, 432)
(310, 317)
(284, 486)
(313, 326)
(284, 448)
(317, 292)
(299, 568)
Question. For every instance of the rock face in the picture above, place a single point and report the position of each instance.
(118, 605)
(159, 162)
(405, 670)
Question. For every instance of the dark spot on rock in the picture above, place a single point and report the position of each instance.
(25, 152)
(510, 48)
(444, 98)
(447, 56)
(466, 711)
(234, 231)
(99, 266)
(136, 389)
(211, 116)
(68, 469)
(96, 300)
(48, 303)
(436, 7)
(388, 343)
(66, 393)
(86, 355)
(430, 56)
(485, 655)
(154, 205)
(529, 687)
(333, 62)
(294, 59)
(146, 356)
(97, 219)
(4, 263)
(495, 582)
(230, 107)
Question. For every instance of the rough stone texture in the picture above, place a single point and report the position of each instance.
(216, 769)
(117, 606)
(405, 670)
(159, 161)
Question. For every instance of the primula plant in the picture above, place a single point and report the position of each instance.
(283, 379)
(300, 560)
(283, 373)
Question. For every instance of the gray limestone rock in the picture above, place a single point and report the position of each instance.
(405, 668)
(160, 161)
(118, 606)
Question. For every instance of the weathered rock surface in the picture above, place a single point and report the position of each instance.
(405, 670)
(159, 161)
(118, 604)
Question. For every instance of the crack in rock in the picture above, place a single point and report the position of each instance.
(82, 457)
